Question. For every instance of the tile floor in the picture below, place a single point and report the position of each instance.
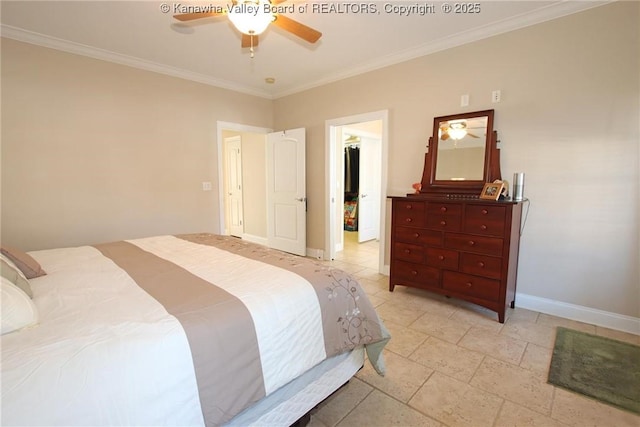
(450, 363)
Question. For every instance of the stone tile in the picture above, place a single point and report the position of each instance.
(398, 313)
(512, 415)
(618, 335)
(455, 403)
(337, 406)
(447, 358)
(315, 422)
(514, 383)
(380, 410)
(576, 410)
(373, 287)
(542, 335)
(375, 300)
(537, 359)
(441, 327)
(404, 341)
(479, 318)
(402, 379)
(522, 314)
(549, 320)
(493, 344)
(427, 301)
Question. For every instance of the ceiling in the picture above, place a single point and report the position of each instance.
(354, 40)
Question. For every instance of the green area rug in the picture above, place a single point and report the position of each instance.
(599, 367)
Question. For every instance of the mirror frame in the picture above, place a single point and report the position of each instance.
(462, 188)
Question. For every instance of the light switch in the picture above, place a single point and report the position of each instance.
(206, 186)
(464, 100)
(495, 96)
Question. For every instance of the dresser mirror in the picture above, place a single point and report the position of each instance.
(462, 154)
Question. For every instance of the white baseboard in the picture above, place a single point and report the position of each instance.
(386, 270)
(315, 253)
(255, 239)
(580, 313)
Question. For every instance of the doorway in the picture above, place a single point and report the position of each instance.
(356, 153)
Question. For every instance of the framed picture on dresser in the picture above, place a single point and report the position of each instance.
(492, 190)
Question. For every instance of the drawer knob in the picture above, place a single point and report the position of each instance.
(483, 227)
(443, 223)
(480, 264)
(443, 209)
(471, 243)
(469, 284)
(415, 273)
(441, 257)
(484, 211)
(408, 219)
(409, 207)
(416, 235)
(407, 251)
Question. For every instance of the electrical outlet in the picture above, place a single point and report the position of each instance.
(206, 186)
(495, 96)
(464, 100)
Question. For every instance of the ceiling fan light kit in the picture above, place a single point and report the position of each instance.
(250, 16)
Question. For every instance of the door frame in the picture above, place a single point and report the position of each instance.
(331, 174)
(236, 127)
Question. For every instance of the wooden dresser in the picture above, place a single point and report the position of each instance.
(461, 248)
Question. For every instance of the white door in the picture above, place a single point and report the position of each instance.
(233, 163)
(369, 192)
(286, 191)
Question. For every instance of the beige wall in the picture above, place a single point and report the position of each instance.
(568, 119)
(94, 151)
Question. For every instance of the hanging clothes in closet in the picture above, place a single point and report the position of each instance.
(351, 169)
(351, 186)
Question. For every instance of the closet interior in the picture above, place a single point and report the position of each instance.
(351, 182)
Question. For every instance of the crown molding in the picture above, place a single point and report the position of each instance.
(548, 13)
(31, 37)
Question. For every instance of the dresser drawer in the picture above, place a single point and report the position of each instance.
(481, 265)
(477, 244)
(442, 258)
(415, 273)
(418, 235)
(408, 252)
(485, 219)
(408, 213)
(478, 287)
(444, 216)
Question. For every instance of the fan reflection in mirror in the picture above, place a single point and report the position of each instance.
(460, 150)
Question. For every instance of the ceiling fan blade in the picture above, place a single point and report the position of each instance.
(472, 135)
(247, 42)
(197, 15)
(444, 136)
(277, 1)
(298, 29)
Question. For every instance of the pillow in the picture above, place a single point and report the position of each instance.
(9, 271)
(23, 261)
(17, 311)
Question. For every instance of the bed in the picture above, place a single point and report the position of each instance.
(195, 329)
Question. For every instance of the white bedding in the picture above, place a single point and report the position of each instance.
(107, 353)
(104, 353)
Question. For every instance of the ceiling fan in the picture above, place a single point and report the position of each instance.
(252, 17)
(455, 130)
